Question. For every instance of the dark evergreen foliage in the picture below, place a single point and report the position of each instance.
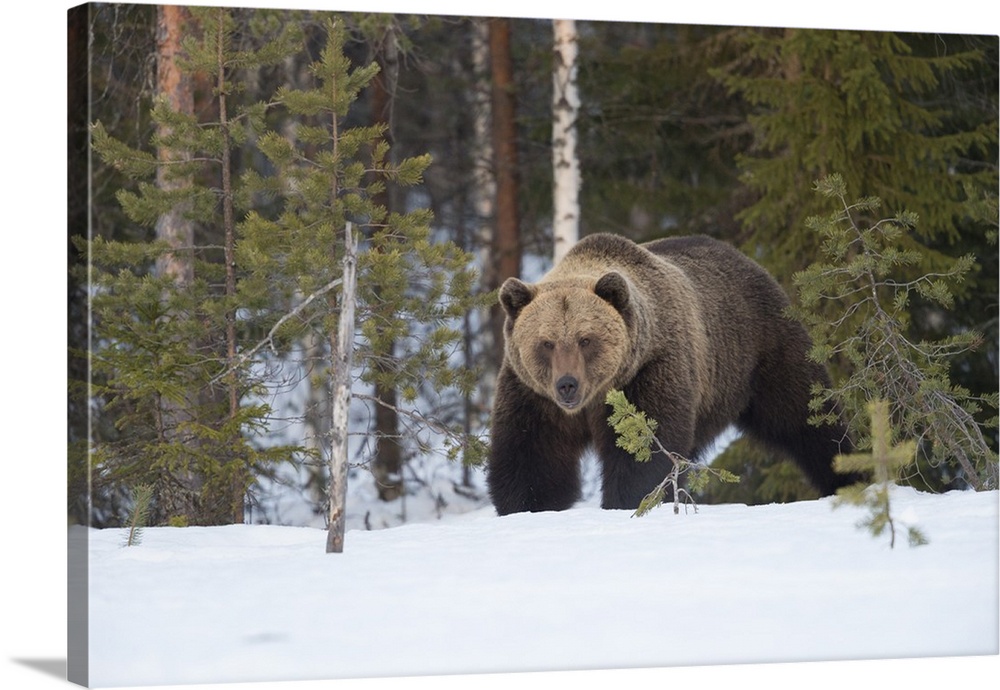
(160, 366)
(719, 130)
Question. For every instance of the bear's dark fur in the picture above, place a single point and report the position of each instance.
(692, 331)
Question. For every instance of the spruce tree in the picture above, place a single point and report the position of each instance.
(160, 342)
(867, 106)
(658, 135)
(765, 477)
(142, 497)
(907, 118)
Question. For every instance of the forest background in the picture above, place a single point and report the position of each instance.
(221, 181)
(36, 592)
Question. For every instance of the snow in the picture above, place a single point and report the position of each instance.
(582, 589)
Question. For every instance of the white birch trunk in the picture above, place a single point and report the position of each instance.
(565, 165)
(342, 360)
(484, 187)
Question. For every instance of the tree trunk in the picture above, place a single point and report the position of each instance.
(387, 466)
(316, 419)
(506, 235)
(177, 495)
(175, 85)
(238, 488)
(341, 362)
(565, 165)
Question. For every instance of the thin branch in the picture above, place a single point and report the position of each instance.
(419, 418)
(269, 338)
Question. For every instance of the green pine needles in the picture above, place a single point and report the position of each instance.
(164, 300)
(413, 288)
(884, 461)
(636, 434)
(857, 305)
(196, 329)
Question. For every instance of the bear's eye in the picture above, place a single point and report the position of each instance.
(584, 342)
(548, 344)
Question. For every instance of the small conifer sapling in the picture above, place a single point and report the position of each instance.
(636, 435)
(883, 461)
(142, 499)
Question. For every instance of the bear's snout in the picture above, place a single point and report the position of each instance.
(568, 387)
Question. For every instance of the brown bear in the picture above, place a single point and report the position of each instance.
(694, 333)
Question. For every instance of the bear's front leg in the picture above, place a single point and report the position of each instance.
(535, 451)
(624, 480)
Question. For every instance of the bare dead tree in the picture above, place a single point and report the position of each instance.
(342, 358)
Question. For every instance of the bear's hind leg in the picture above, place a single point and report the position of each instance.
(778, 417)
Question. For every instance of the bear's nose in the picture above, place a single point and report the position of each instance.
(567, 387)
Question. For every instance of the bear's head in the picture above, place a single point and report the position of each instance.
(568, 340)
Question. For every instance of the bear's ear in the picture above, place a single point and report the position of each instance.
(515, 296)
(613, 289)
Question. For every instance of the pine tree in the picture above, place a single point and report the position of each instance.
(884, 461)
(265, 268)
(412, 290)
(859, 282)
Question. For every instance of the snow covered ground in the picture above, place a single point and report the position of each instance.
(581, 589)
